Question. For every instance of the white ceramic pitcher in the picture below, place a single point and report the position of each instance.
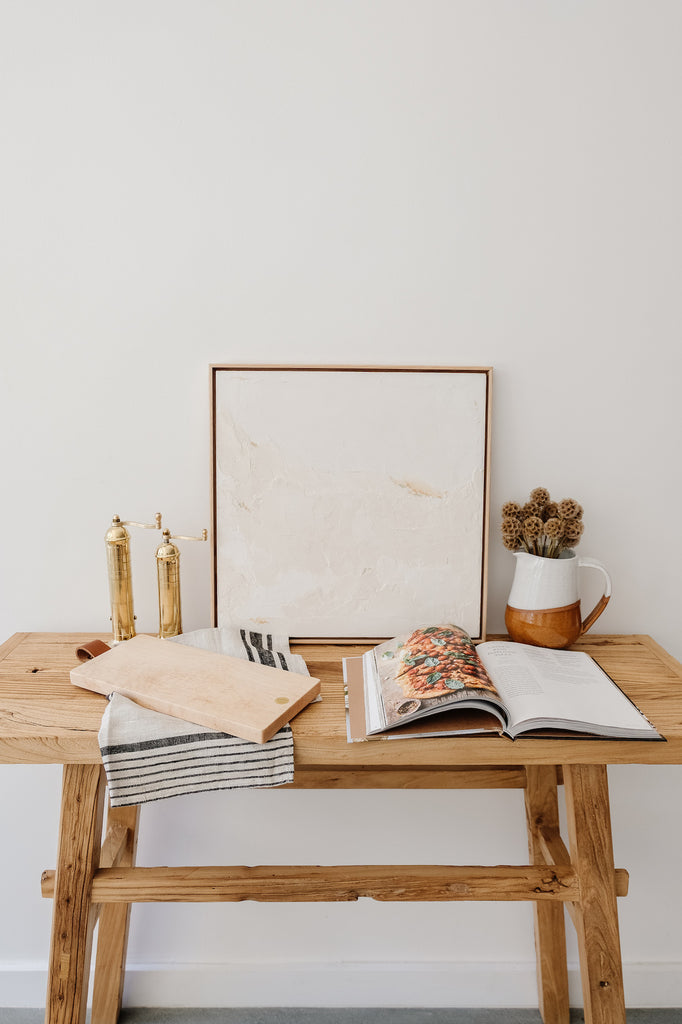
(544, 606)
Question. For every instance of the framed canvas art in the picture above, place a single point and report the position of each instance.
(350, 502)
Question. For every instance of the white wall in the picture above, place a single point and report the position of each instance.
(354, 181)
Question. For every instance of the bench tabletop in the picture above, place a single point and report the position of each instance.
(44, 719)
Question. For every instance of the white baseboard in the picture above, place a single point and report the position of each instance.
(344, 984)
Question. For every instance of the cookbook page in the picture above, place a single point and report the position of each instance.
(426, 671)
(465, 721)
(557, 686)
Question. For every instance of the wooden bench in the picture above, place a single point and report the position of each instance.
(46, 720)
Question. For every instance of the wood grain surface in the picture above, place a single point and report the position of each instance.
(45, 719)
(114, 923)
(73, 913)
(332, 883)
(234, 695)
(595, 915)
(542, 819)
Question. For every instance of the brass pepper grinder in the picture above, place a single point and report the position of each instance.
(168, 572)
(117, 542)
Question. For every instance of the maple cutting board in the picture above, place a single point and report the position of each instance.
(243, 698)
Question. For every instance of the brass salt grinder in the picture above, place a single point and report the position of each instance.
(168, 573)
(117, 542)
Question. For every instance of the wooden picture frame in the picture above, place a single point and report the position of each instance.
(350, 502)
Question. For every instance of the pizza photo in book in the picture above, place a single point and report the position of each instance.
(435, 681)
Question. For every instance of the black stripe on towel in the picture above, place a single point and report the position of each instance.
(191, 766)
(265, 654)
(253, 782)
(272, 745)
(186, 778)
(122, 800)
(242, 633)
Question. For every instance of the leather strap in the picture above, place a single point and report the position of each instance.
(91, 650)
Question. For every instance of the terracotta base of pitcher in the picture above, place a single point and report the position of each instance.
(550, 627)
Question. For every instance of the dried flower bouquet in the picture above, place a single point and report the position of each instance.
(542, 526)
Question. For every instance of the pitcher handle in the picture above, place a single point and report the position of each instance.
(592, 563)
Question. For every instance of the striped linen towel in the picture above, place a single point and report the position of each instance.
(148, 756)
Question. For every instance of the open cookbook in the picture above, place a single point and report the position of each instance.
(436, 682)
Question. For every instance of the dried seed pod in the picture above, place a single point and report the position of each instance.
(511, 510)
(573, 530)
(553, 528)
(511, 526)
(569, 509)
(539, 496)
(532, 527)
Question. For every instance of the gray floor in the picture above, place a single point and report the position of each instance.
(149, 1015)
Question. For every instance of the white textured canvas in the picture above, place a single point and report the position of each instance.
(349, 502)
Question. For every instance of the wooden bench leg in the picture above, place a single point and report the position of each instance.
(73, 915)
(112, 939)
(596, 913)
(542, 813)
